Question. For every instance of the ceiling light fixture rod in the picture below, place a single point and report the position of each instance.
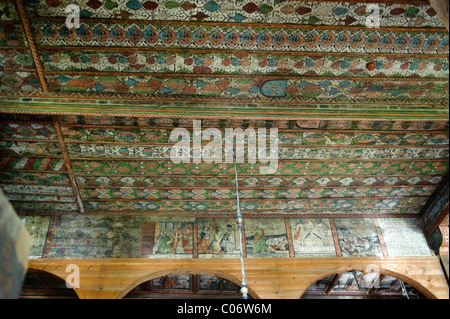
(404, 291)
(239, 222)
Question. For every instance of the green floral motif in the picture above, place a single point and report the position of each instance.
(228, 182)
(199, 193)
(306, 205)
(35, 178)
(245, 169)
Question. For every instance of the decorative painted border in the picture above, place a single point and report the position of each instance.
(409, 14)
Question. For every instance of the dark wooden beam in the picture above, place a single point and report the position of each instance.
(32, 44)
(441, 8)
(439, 219)
(332, 284)
(73, 182)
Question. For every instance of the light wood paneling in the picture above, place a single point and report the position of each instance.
(268, 278)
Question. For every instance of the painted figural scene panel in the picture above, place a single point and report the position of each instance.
(266, 238)
(358, 237)
(218, 238)
(72, 236)
(312, 237)
(121, 237)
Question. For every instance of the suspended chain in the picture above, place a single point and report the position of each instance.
(239, 222)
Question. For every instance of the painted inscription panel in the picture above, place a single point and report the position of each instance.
(403, 237)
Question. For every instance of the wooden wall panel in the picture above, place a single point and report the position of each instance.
(277, 278)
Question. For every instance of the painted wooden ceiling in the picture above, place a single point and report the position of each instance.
(361, 112)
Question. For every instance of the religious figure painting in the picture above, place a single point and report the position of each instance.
(266, 238)
(173, 239)
(176, 282)
(121, 237)
(358, 237)
(312, 237)
(218, 237)
(213, 283)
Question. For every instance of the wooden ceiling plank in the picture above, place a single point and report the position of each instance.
(247, 199)
(212, 214)
(230, 51)
(280, 130)
(234, 24)
(241, 76)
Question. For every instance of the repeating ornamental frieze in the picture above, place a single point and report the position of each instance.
(229, 193)
(301, 124)
(261, 182)
(136, 167)
(248, 63)
(251, 87)
(238, 38)
(305, 205)
(162, 135)
(256, 11)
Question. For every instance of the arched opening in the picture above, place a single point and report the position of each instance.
(186, 286)
(41, 284)
(358, 285)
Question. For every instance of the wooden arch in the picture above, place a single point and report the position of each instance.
(211, 272)
(414, 283)
(54, 275)
(268, 278)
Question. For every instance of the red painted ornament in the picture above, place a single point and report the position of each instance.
(371, 66)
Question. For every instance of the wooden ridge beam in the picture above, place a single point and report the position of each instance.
(439, 220)
(68, 164)
(441, 8)
(32, 44)
(435, 195)
(216, 114)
